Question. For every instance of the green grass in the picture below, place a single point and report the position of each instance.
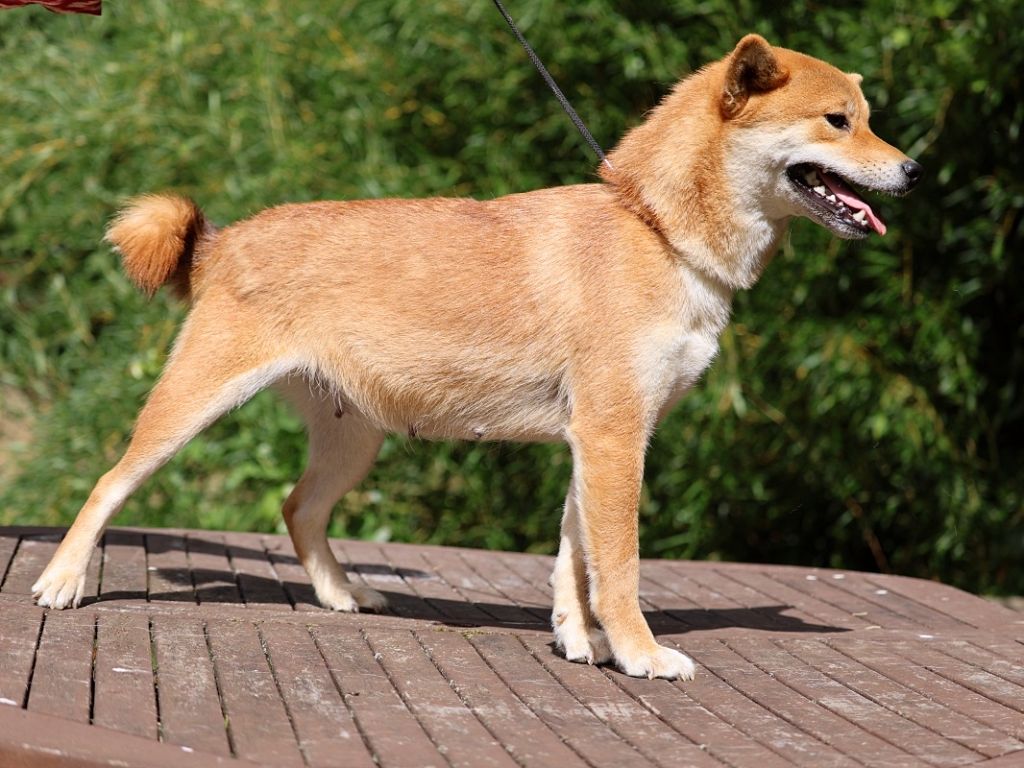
(864, 411)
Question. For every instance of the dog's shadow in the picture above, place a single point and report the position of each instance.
(414, 600)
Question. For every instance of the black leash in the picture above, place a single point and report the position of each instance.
(576, 119)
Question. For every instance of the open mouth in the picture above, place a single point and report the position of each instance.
(836, 204)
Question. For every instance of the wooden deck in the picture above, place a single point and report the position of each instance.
(201, 648)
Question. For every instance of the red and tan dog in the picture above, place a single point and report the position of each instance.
(577, 313)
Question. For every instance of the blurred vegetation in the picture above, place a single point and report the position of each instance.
(865, 411)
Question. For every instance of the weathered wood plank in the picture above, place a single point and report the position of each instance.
(574, 724)
(211, 569)
(8, 545)
(125, 696)
(292, 576)
(34, 552)
(431, 587)
(906, 702)
(392, 732)
(906, 671)
(769, 583)
(634, 723)
(808, 715)
(853, 706)
(757, 719)
(326, 729)
(255, 574)
(515, 725)
(697, 724)
(170, 579)
(367, 564)
(62, 681)
(190, 707)
(822, 588)
(451, 725)
(19, 636)
(478, 591)
(259, 724)
(124, 566)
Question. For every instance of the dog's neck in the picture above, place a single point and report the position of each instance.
(673, 172)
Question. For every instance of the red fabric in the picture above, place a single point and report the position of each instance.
(59, 6)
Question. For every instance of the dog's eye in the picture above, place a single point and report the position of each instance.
(838, 120)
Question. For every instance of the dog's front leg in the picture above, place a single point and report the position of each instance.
(608, 458)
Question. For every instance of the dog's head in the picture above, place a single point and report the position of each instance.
(800, 137)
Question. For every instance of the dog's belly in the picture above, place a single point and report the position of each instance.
(427, 405)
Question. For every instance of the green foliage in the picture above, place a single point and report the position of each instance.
(865, 409)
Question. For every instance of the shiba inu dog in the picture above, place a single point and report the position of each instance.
(579, 313)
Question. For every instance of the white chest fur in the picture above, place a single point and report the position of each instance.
(673, 353)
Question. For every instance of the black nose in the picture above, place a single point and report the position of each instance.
(913, 172)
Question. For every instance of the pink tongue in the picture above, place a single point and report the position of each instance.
(848, 196)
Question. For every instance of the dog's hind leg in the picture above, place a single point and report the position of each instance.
(576, 631)
(342, 448)
(210, 371)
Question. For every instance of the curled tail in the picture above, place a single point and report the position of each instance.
(157, 236)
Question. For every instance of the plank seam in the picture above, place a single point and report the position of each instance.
(840, 609)
(273, 569)
(35, 657)
(92, 667)
(10, 561)
(408, 705)
(679, 614)
(343, 697)
(280, 694)
(994, 656)
(154, 665)
(145, 564)
(103, 563)
(903, 596)
(220, 692)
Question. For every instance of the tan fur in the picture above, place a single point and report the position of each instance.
(156, 236)
(578, 313)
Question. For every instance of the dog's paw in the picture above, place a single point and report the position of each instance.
(59, 589)
(351, 598)
(590, 647)
(369, 599)
(660, 662)
(580, 643)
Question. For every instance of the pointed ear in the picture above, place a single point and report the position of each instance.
(752, 67)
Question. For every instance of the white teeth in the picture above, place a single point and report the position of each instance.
(820, 190)
(830, 198)
(861, 217)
